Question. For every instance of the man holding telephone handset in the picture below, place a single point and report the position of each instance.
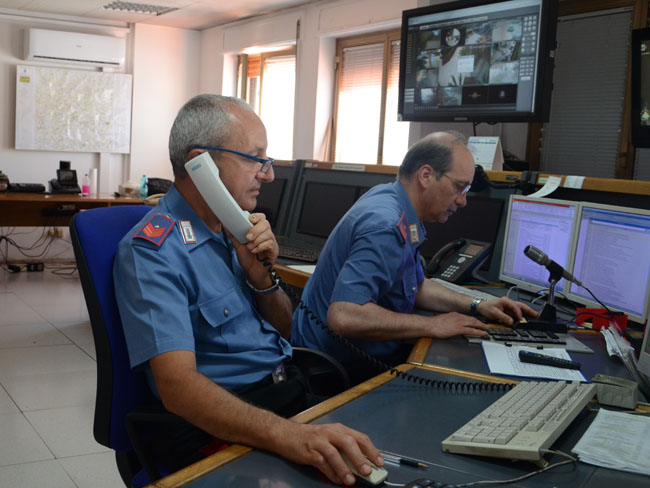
(202, 316)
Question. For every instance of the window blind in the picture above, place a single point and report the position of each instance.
(359, 104)
(583, 134)
(276, 104)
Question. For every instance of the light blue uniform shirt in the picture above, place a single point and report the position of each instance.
(370, 256)
(174, 295)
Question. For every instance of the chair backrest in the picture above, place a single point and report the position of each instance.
(95, 235)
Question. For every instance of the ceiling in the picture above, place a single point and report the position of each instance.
(191, 14)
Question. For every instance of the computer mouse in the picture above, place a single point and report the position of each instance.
(376, 476)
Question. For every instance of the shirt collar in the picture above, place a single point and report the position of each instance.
(179, 209)
(409, 210)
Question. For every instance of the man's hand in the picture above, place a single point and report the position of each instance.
(504, 309)
(454, 324)
(261, 244)
(321, 446)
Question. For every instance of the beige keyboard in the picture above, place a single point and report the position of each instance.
(526, 420)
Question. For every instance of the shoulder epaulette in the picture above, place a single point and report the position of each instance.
(155, 230)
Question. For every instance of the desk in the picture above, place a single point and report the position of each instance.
(44, 209)
(410, 420)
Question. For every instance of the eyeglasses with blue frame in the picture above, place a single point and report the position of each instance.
(265, 162)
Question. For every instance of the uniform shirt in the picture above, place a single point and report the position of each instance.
(370, 256)
(178, 295)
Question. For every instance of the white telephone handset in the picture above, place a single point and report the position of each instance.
(205, 175)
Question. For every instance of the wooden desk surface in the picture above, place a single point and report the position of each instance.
(45, 209)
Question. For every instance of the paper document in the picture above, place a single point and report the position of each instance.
(305, 268)
(552, 184)
(616, 440)
(503, 359)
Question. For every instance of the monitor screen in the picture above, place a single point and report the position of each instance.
(640, 95)
(544, 223)
(478, 220)
(322, 207)
(477, 60)
(270, 198)
(612, 258)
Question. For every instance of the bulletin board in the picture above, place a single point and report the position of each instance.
(72, 110)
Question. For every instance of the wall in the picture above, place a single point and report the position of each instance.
(166, 73)
(165, 66)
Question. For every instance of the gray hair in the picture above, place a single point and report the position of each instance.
(434, 150)
(205, 120)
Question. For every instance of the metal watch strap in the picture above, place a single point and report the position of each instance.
(267, 291)
(474, 306)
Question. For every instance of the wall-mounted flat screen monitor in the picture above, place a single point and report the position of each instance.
(477, 60)
(640, 97)
(545, 223)
(612, 259)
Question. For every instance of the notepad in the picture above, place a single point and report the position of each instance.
(503, 359)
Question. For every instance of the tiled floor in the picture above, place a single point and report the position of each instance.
(47, 387)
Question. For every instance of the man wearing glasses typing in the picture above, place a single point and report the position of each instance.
(203, 317)
(369, 278)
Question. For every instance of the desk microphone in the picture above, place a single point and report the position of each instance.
(555, 269)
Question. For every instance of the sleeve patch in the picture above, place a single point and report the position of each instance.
(156, 229)
(401, 226)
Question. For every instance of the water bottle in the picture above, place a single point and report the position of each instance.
(144, 183)
(85, 185)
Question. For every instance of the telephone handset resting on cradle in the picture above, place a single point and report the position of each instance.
(456, 261)
(205, 175)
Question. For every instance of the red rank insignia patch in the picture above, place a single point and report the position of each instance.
(401, 225)
(156, 229)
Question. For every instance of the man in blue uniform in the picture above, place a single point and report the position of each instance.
(203, 317)
(369, 278)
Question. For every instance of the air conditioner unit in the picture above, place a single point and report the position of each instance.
(73, 48)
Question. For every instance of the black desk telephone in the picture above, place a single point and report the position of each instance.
(66, 180)
(455, 261)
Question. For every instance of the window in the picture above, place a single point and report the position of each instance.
(366, 129)
(267, 82)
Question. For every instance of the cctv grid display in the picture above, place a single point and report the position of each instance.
(472, 63)
(606, 247)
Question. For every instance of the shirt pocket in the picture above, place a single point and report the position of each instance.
(227, 320)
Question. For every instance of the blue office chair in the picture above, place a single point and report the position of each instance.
(124, 403)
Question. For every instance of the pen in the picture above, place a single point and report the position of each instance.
(403, 460)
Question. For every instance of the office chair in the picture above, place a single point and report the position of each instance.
(124, 402)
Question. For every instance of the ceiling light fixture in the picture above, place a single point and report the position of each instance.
(139, 8)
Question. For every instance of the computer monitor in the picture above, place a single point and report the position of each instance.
(545, 223)
(640, 94)
(612, 259)
(478, 220)
(324, 192)
(477, 60)
(644, 354)
(275, 197)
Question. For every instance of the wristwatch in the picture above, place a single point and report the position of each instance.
(266, 291)
(475, 303)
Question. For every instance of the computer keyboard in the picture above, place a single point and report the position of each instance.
(26, 187)
(300, 254)
(470, 292)
(501, 334)
(527, 419)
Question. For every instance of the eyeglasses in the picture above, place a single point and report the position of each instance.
(266, 163)
(460, 187)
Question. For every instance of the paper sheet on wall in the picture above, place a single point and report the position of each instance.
(72, 110)
(487, 152)
(549, 187)
(503, 359)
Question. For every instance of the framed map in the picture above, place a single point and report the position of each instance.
(72, 110)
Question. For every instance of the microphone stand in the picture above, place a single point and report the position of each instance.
(547, 318)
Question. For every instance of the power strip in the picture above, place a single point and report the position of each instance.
(34, 267)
